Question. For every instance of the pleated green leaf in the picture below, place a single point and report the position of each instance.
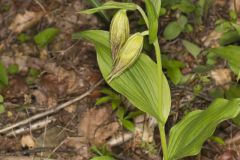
(231, 54)
(153, 20)
(111, 5)
(187, 136)
(157, 6)
(139, 83)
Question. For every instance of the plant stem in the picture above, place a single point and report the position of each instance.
(163, 140)
(160, 89)
(143, 15)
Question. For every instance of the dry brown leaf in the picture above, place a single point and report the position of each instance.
(211, 40)
(79, 145)
(28, 141)
(228, 155)
(222, 77)
(96, 125)
(9, 143)
(221, 3)
(24, 21)
(71, 109)
(40, 97)
(17, 88)
(105, 132)
(236, 5)
(69, 80)
(52, 138)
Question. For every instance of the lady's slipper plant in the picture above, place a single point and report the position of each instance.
(141, 80)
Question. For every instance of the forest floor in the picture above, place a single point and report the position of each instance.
(49, 108)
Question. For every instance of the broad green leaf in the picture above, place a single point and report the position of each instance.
(223, 26)
(153, 20)
(2, 108)
(120, 113)
(188, 135)
(1, 99)
(44, 37)
(236, 120)
(186, 6)
(231, 54)
(233, 92)
(237, 27)
(174, 29)
(175, 75)
(217, 93)
(173, 69)
(128, 125)
(229, 38)
(182, 21)
(111, 5)
(103, 158)
(3, 75)
(233, 15)
(203, 68)
(157, 6)
(192, 48)
(97, 3)
(139, 83)
(169, 3)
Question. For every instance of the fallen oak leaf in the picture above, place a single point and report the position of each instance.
(24, 21)
(96, 125)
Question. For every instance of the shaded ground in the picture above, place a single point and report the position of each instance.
(65, 69)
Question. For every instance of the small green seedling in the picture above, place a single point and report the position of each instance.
(32, 76)
(13, 69)
(173, 68)
(141, 80)
(111, 96)
(175, 28)
(229, 28)
(43, 38)
(3, 75)
(125, 118)
(101, 153)
(22, 37)
(2, 108)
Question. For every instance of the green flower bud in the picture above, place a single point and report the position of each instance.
(119, 32)
(127, 55)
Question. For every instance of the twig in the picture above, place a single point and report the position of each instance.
(233, 140)
(115, 141)
(51, 111)
(40, 5)
(35, 126)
